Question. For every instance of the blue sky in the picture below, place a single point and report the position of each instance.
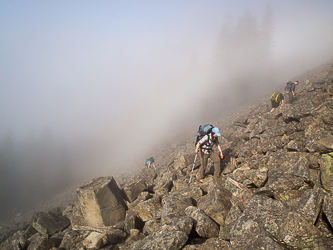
(77, 68)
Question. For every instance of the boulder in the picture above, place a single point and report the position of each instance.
(203, 224)
(72, 238)
(115, 236)
(324, 145)
(194, 192)
(164, 237)
(300, 169)
(290, 198)
(326, 171)
(181, 223)
(229, 222)
(271, 144)
(327, 207)
(95, 240)
(297, 232)
(151, 225)
(165, 181)
(295, 145)
(14, 242)
(310, 204)
(101, 202)
(141, 197)
(266, 124)
(256, 177)
(183, 160)
(286, 182)
(145, 209)
(279, 164)
(133, 189)
(40, 242)
(148, 175)
(263, 216)
(319, 99)
(174, 206)
(49, 223)
(216, 204)
(132, 221)
(249, 148)
(73, 212)
(265, 241)
(241, 195)
(296, 112)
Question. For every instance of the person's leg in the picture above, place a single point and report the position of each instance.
(291, 98)
(288, 98)
(274, 105)
(272, 102)
(217, 163)
(202, 169)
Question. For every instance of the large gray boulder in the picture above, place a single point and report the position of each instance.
(72, 238)
(229, 222)
(203, 224)
(95, 240)
(174, 206)
(241, 195)
(165, 237)
(133, 189)
(245, 174)
(327, 207)
(48, 223)
(310, 204)
(101, 202)
(297, 232)
(263, 216)
(40, 242)
(325, 145)
(145, 210)
(181, 223)
(216, 204)
(132, 221)
(301, 169)
(148, 175)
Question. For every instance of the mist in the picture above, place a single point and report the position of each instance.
(90, 89)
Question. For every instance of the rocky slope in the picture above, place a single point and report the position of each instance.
(275, 189)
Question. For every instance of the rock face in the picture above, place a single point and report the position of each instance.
(275, 189)
(101, 202)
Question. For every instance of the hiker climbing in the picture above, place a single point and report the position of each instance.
(150, 161)
(290, 91)
(206, 139)
(275, 99)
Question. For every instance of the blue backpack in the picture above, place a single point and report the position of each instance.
(149, 161)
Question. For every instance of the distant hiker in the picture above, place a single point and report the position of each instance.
(150, 161)
(207, 138)
(290, 91)
(275, 99)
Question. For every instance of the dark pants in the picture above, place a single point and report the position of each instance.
(288, 98)
(204, 159)
(275, 104)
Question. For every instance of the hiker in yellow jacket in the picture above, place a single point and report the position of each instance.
(276, 98)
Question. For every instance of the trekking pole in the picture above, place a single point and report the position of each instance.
(195, 158)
